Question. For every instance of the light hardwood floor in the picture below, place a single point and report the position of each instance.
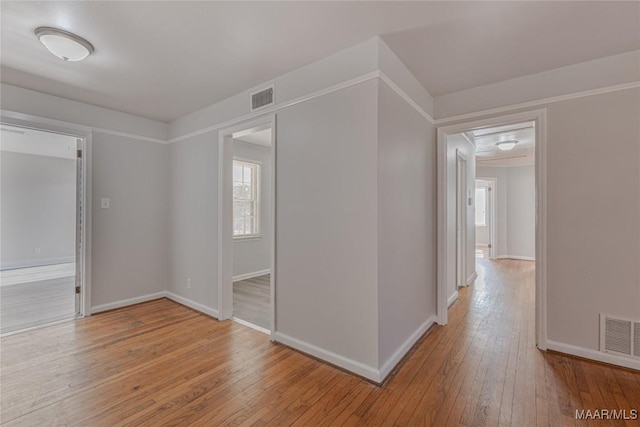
(36, 295)
(160, 363)
(251, 300)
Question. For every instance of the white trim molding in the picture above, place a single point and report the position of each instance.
(27, 263)
(472, 278)
(225, 214)
(85, 129)
(596, 355)
(517, 257)
(271, 110)
(192, 304)
(376, 74)
(402, 94)
(251, 275)
(453, 298)
(539, 117)
(358, 368)
(536, 103)
(127, 302)
(84, 134)
(388, 366)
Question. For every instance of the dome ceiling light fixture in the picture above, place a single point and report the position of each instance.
(63, 44)
(506, 145)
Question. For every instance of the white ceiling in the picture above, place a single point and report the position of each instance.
(514, 39)
(260, 137)
(488, 153)
(163, 60)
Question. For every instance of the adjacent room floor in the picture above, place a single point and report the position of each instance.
(482, 252)
(251, 301)
(36, 295)
(160, 363)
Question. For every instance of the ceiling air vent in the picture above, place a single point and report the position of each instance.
(262, 99)
(619, 336)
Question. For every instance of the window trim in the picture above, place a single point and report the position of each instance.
(258, 200)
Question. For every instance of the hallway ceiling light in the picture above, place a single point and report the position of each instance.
(506, 145)
(63, 44)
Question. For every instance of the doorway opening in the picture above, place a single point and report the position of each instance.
(484, 217)
(42, 200)
(248, 224)
(505, 191)
(462, 237)
(505, 203)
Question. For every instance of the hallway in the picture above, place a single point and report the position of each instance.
(160, 363)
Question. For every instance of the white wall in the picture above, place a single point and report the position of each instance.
(515, 211)
(332, 168)
(454, 143)
(254, 255)
(193, 219)
(593, 243)
(482, 231)
(593, 218)
(129, 240)
(334, 69)
(406, 222)
(591, 75)
(327, 223)
(521, 212)
(18, 100)
(38, 210)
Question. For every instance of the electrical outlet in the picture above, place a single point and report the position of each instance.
(36, 250)
(188, 283)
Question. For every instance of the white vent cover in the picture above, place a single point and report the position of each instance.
(619, 336)
(262, 99)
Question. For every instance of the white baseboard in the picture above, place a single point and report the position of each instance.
(36, 262)
(351, 365)
(192, 304)
(251, 275)
(126, 302)
(472, 278)
(518, 257)
(396, 357)
(452, 299)
(593, 355)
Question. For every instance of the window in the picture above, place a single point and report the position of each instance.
(481, 207)
(246, 199)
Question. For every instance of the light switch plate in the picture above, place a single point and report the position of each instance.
(105, 202)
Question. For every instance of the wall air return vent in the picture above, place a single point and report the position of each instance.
(619, 336)
(262, 99)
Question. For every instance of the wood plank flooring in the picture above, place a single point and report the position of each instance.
(251, 300)
(160, 363)
(37, 295)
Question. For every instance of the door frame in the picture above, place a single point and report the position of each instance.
(461, 219)
(491, 208)
(225, 217)
(84, 135)
(539, 119)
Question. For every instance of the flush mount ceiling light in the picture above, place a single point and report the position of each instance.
(63, 44)
(506, 145)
